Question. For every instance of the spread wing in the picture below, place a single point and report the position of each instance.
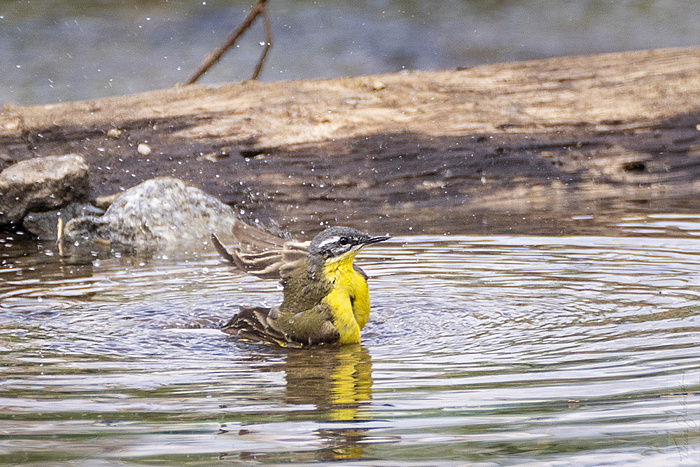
(255, 240)
(261, 253)
(265, 255)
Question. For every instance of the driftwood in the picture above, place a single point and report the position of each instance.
(514, 147)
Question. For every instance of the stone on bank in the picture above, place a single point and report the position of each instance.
(42, 184)
(159, 215)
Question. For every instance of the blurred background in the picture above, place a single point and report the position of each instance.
(70, 50)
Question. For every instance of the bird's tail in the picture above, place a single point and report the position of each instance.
(256, 323)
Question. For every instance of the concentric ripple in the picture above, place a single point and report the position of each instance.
(507, 350)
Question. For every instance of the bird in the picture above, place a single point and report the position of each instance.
(325, 295)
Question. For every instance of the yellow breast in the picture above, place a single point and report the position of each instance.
(349, 299)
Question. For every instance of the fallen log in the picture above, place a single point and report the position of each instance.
(519, 147)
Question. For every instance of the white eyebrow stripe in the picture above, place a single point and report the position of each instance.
(328, 240)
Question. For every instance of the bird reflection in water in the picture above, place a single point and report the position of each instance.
(337, 382)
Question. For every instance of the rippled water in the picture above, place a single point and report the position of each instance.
(493, 350)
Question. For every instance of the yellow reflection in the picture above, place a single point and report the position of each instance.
(338, 382)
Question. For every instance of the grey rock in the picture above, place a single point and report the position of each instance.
(44, 225)
(104, 202)
(42, 184)
(161, 215)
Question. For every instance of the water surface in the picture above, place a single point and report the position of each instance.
(67, 50)
(488, 350)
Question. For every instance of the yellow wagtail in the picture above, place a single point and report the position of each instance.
(325, 298)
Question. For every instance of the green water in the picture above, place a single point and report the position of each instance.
(480, 350)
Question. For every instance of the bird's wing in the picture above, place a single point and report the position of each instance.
(256, 324)
(254, 239)
(261, 253)
(268, 265)
(221, 249)
(261, 324)
(311, 327)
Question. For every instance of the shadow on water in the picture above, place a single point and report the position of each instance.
(505, 349)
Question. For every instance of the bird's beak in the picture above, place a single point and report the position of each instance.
(377, 239)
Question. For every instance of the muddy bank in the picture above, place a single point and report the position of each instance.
(567, 144)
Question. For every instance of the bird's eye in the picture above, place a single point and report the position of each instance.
(344, 240)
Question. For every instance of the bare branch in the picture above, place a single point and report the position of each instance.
(268, 43)
(260, 8)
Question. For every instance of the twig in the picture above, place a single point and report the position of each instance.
(59, 236)
(268, 42)
(259, 9)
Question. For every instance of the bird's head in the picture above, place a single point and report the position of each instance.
(335, 243)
